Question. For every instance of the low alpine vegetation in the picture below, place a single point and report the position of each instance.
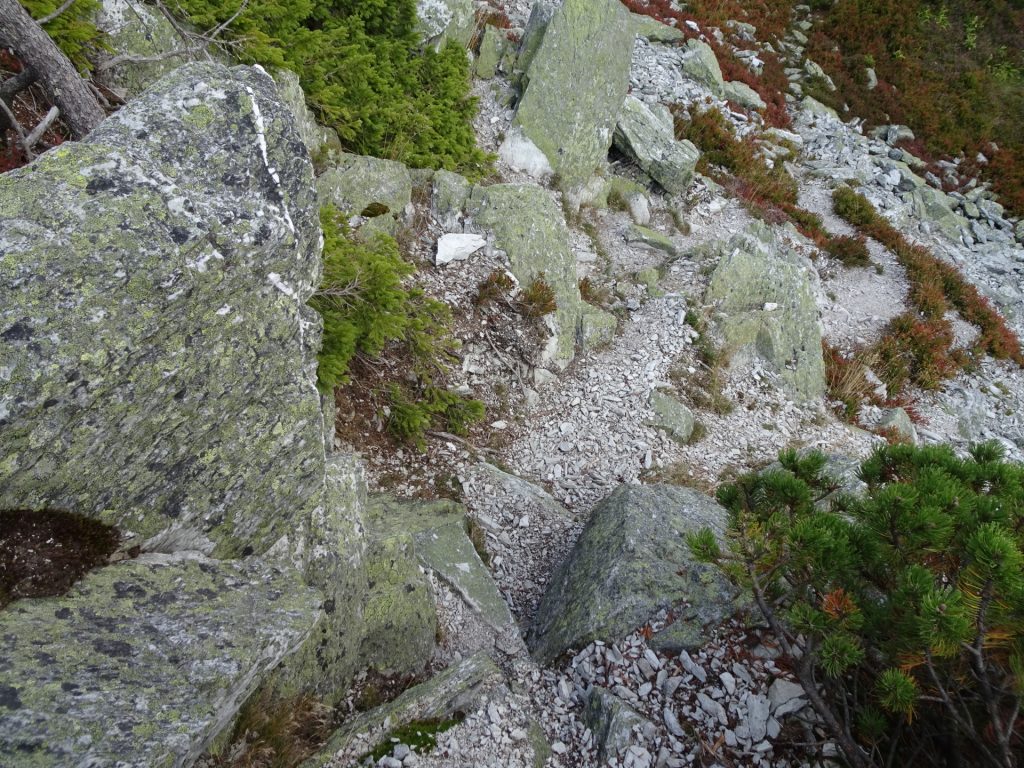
(917, 347)
(901, 609)
(375, 322)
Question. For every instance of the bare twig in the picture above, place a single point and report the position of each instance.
(51, 16)
(44, 125)
(18, 130)
(461, 441)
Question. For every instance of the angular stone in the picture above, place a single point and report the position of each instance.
(612, 721)
(654, 30)
(936, 207)
(531, 229)
(457, 689)
(158, 368)
(444, 20)
(647, 138)
(369, 186)
(743, 94)
(438, 530)
(700, 63)
(492, 48)
(631, 561)
(757, 270)
(143, 663)
(597, 327)
(899, 421)
(448, 199)
(786, 697)
(574, 87)
(674, 417)
(457, 247)
(814, 70)
(651, 239)
(817, 109)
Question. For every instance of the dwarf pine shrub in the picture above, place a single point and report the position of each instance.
(901, 609)
(74, 30)
(370, 312)
(362, 70)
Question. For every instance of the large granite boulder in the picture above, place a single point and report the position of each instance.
(630, 562)
(646, 135)
(158, 365)
(576, 78)
(700, 63)
(766, 292)
(146, 662)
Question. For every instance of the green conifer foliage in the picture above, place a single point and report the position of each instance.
(361, 67)
(73, 30)
(903, 608)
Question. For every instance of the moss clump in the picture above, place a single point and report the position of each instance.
(361, 67)
(420, 736)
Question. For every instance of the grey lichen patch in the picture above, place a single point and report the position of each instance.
(143, 663)
(158, 361)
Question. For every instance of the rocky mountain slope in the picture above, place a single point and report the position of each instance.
(158, 374)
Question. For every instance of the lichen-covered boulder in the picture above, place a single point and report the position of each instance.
(577, 77)
(672, 416)
(654, 30)
(444, 20)
(767, 293)
(630, 562)
(700, 63)
(158, 362)
(646, 135)
(368, 186)
(137, 30)
(936, 207)
(144, 663)
(616, 725)
(531, 230)
(743, 94)
(317, 138)
(448, 197)
(493, 45)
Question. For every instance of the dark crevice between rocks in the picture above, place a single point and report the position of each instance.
(44, 552)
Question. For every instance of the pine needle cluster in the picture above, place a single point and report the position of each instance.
(902, 608)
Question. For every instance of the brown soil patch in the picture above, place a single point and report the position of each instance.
(44, 552)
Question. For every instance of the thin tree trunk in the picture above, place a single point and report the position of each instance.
(58, 76)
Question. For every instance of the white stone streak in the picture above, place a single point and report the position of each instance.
(261, 141)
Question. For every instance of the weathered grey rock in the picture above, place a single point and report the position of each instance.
(370, 186)
(630, 562)
(541, 13)
(574, 86)
(654, 30)
(456, 689)
(1019, 231)
(891, 134)
(531, 229)
(872, 78)
(743, 94)
(653, 240)
(936, 207)
(136, 29)
(814, 70)
(492, 48)
(647, 137)
(399, 617)
(317, 138)
(786, 697)
(448, 199)
(145, 662)
(701, 64)
(671, 415)
(767, 292)
(898, 420)
(438, 530)
(158, 365)
(612, 721)
(597, 327)
(817, 109)
(444, 20)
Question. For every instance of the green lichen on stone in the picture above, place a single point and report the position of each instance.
(597, 327)
(646, 135)
(531, 229)
(654, 30)
(456, 689)
(766, 291)
(492, 48)
(701, 64)
(147, 660)
(672, 416)
(448, 199)
(630, 561)
(158, 364)
(317, 138)
(650, 238)
(354, 183)
(577, 77)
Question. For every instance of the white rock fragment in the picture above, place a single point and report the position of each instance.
(457, 247)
